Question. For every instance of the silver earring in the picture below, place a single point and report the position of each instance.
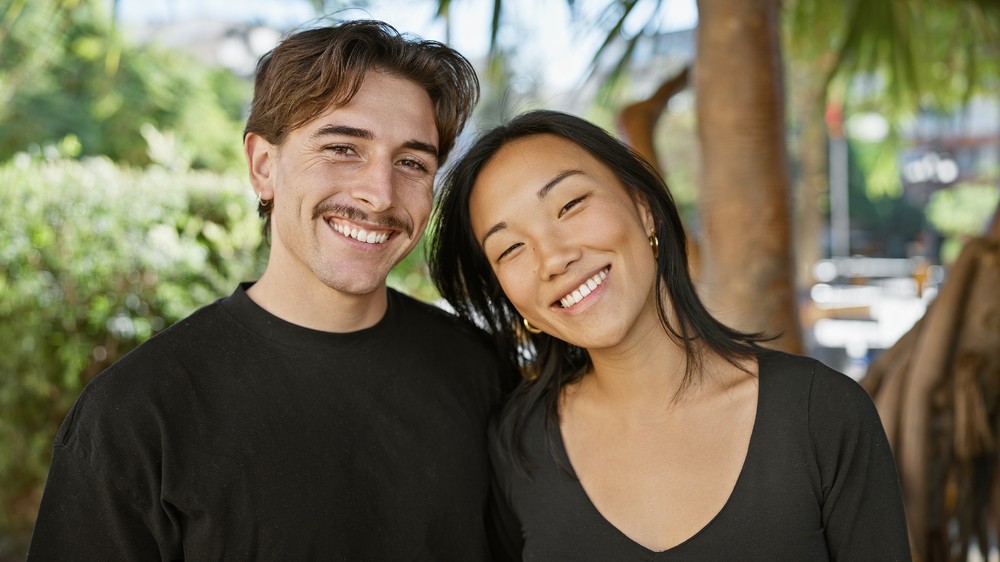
(262, 202)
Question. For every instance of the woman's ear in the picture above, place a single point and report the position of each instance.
(259, 154)
(645, 211)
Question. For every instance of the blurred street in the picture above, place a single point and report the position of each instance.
(861, 306)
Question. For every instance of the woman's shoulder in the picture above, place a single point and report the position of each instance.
(519, 433)
(827, 397)
(522, 412)
(788, 371)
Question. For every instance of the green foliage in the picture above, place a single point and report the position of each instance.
(880, 164)
(65, 70)
(879, 210)
(922, 53)
(959, 212)
(95, 259)
(412, 277)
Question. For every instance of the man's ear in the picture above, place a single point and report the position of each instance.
(259, 154)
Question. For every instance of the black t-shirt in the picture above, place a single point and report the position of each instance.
(235, 435)
(819, 483)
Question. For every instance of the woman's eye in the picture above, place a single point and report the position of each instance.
(566, 208)
(508, 251)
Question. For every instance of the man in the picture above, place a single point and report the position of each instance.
(314, 414)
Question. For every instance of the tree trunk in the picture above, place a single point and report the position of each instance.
(637, 125)
(637, 121)
(938, 393)
(747, 278)
(808, 99)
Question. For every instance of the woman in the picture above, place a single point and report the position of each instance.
(644, 428)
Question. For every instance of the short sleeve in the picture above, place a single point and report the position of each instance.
(83, 517)
(862, 507)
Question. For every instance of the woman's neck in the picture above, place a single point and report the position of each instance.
(643, 376)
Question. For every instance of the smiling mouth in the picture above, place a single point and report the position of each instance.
(584, 289)
(360, 234)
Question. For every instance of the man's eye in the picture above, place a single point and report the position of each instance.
(508, 251)
(566, 208)
(340, 149)
(413, 163)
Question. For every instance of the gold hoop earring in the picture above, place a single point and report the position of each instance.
(529, 327)
(654, 242)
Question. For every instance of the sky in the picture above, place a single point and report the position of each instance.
(538, 26)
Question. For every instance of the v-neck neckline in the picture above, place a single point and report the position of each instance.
(555, 434)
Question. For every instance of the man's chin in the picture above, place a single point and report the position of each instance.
(356, 285)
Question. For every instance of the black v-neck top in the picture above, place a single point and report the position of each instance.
(818, 483)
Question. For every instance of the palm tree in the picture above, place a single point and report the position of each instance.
(746, 274)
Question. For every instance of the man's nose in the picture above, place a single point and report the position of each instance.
(375, 188)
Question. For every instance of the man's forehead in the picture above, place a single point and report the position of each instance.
(401, 107)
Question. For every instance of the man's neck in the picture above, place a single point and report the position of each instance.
(311, 304)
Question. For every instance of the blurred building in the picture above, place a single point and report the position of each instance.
(861, 305)
(948, 148)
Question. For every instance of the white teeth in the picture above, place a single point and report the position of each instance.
(584, 289)
(361, 235)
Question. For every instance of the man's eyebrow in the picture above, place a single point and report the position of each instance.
(343, 130)
(422, 146)
(357, 132)
(541, 194)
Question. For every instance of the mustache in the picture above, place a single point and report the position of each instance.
(392, 222)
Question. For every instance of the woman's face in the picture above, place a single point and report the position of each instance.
(568, 243)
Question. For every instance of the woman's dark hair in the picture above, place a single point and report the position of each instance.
(464, 277)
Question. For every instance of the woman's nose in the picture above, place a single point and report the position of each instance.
(555, 257)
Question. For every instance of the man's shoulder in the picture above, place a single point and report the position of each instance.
(436, 322)
(200, 329)
(124, 389)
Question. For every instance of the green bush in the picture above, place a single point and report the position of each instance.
(94, 259)
(959, 212)
(66, 70)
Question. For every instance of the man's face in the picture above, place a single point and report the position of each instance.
(352, 188)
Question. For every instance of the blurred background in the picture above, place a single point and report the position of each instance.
(837, 165)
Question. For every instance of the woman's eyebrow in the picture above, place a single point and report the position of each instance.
(493, 230)
(555, 181)
(541, 195)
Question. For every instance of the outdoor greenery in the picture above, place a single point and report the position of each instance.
(65, 70)
(114, 227)
(126, 206)
(960, 213)
(94, 259)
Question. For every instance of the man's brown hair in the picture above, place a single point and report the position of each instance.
(312, 70)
